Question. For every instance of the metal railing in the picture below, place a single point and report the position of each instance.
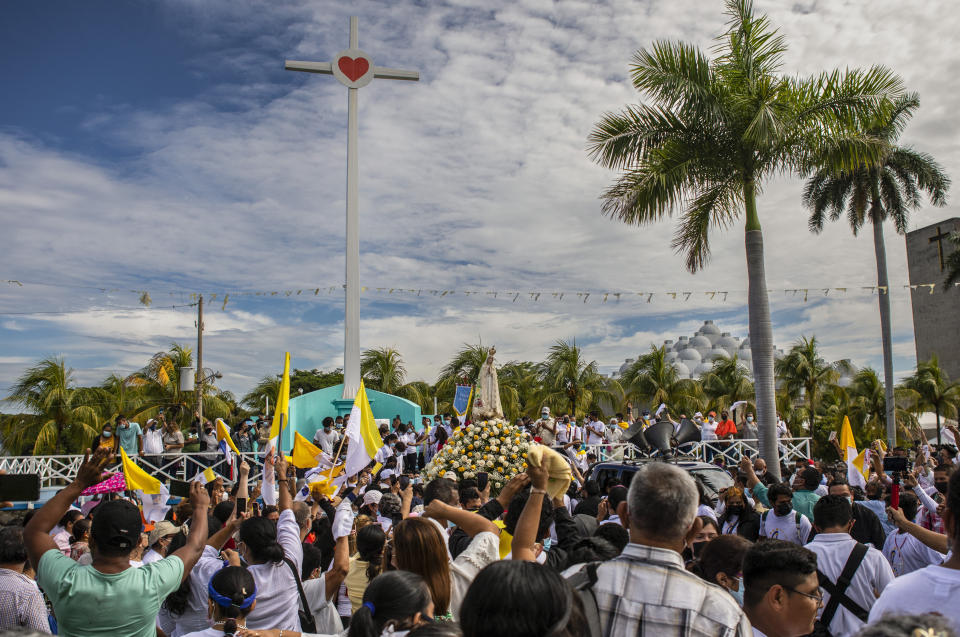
(55, 471)
(706, 451)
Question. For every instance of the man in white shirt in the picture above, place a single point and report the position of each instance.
(152, 444)
(547, 427)
(325, 437)
(563, 430)
(596, 432)
(934, 589)
(781, 594)
(782, 522)
(836, 553)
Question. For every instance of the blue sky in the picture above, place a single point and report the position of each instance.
(162, 147)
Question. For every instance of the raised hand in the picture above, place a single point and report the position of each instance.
(199, 498)
(91, 470)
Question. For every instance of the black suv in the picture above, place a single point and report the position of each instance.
(710, 476)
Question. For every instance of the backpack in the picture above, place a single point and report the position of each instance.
(796, 519)
(838, 593)
(582, 583)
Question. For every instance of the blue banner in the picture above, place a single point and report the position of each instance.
(461, 399)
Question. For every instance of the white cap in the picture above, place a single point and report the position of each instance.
(150, 420)
(698, 415)
(372, 497)
(545, 410)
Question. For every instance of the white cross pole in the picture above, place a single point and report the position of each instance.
(354, 69)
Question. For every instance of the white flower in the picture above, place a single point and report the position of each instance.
(454, 464)
(485, 435)
(502, 460)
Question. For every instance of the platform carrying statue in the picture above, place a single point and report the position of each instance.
(486, 405)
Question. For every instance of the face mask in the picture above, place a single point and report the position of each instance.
(107, 434)
(451, 525)
(712, 420)
(447, 422)
(738, 594)
(208, 430)
(545, 416)
(941, 487)
(749, 418)
(153, 427)
(698, 548)
(735, 509)
(783, 509)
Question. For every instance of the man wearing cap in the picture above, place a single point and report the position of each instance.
(152, 444)
(109, 597)
(158, 541)
(547, 428)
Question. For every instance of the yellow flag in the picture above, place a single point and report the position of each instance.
(281, 414)
(137, 479)
(223, 435)
(363, 433)
(848, 447)
(304, 455)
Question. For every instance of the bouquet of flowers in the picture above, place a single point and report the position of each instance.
(497, 447)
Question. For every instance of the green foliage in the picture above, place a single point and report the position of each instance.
(652, 380)
(311, 380)
(574, 385)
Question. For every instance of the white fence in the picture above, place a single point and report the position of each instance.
(60, 470)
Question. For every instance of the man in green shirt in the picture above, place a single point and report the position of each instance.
(130, 436)
(803, 496)
(109, 597)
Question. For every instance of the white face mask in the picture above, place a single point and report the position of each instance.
(749, 418)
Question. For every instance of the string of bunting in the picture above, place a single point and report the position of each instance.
(514, 296)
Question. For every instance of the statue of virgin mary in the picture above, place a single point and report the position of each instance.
(486, 405)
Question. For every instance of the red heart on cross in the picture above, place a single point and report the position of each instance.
(353, 68)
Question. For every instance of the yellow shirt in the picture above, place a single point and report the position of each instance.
(356, 582)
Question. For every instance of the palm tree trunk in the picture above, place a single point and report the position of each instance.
(885, 331)
(936, 410)
(761, 336)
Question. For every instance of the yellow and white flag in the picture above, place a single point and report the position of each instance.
(305, 454)
(281, 415)
(205, 476)
(363, 434)
(152, 493)
(855, 461)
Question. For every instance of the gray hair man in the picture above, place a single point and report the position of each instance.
(646, 590)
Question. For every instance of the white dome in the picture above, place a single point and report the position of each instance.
(702, 369)
(745, 343)
(745, 354)
(682, 370)
(701, 342)
(715, 353)
(727, 341)
(709, 328)
(671, 356)
(690, 354)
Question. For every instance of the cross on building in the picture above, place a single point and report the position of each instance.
(939, 237)
(354, 69)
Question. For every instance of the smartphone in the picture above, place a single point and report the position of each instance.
(482, 480)
(255, 508)
(180, 488)
(404, 482)
(832, 436)
(20, 487)
(894, 464)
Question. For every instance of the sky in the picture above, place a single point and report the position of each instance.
(161, 147)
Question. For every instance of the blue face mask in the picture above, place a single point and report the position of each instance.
(451, 525)
(107, 434)
(738, 594)
(447, 422)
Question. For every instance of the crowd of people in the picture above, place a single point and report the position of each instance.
(385, 553)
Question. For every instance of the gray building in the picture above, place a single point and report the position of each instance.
(936, 315)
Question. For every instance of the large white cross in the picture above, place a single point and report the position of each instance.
(354, 69)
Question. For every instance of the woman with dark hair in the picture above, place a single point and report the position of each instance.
(720, 562)
(366, 564)
(739, 518)
(231, 596)
(320, 585)
(80, 539)
(708, 532)
(501, 598)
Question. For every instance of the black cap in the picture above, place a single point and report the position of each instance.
(117, 524)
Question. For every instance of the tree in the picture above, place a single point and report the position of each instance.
(953, 261)
(523, 378)
(716, 130)
(311, 380)
(869, 398)
(119, 395)
(727, 382)
(382, 369)
(652, 379)
(881, 191)
(929, 389)
(804, 372)
(63, 417)
(571, 383)
(159, 381)
(256, 398)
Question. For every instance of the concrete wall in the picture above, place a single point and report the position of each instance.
(936, 317)
(308, 411)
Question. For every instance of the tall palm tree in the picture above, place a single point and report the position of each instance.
(929, 389)
(715, 132)
(869, 398)
(523, 379)
(256, 398)
(886, 189)
(382, 369)
(65, 418)
(119, 395)
(652, 379)
(727, 382)
(571, 383)
(804, 371)
(159, 381)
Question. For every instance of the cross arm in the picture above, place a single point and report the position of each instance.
(395, 74)
(308, 67)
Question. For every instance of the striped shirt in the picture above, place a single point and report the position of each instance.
(646, 591)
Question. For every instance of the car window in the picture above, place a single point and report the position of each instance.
(715, 479)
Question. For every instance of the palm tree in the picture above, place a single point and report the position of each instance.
(953, 261)
(64, 417)
(715, 132)
(382, 369)
(571, 383)
(887, 189)
(727, 382)
(159, 381)
(652, 379)
(523, 379)
(869, 398)
(804, 371)
(929, 389)
(256, 398)
(119, 395)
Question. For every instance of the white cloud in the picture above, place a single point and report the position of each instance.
(474, 178)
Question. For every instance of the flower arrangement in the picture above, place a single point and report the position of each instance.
(497, 447)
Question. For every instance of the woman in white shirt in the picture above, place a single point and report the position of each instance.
(231, 594)
(420, 546)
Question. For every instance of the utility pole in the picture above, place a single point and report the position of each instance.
(200, 379)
